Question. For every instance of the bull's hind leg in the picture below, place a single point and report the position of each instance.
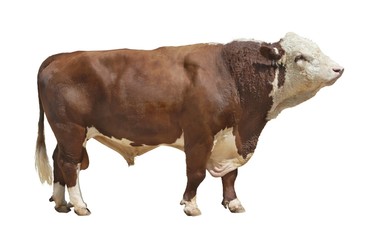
(75, 196)
(71, 154)
(197, 155)
(58, 195)
(230, 199)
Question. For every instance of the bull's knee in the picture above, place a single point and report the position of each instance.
(197, 176)
(194, 178)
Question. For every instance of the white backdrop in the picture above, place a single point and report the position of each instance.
(314, 174)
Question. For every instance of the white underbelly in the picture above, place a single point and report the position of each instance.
(224, 156)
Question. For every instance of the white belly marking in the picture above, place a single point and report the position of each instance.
(224, 156)
(124, 146)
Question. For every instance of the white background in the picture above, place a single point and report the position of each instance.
(314, 174)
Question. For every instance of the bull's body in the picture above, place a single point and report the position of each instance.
(212, 101)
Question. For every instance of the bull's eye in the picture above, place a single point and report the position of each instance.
(300, 57)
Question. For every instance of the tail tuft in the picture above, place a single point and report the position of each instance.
(42, 164)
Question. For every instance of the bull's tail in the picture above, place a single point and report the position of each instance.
(42, 164)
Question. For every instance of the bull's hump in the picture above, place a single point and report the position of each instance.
(256, 72)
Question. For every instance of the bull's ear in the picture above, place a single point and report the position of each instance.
(270, 52)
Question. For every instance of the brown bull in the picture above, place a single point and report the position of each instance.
(209, 100)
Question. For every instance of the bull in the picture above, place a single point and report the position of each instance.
(211, 101)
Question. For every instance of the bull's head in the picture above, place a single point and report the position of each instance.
(307, 70)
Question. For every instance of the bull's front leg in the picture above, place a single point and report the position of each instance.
(197, 154)
(247, 134)
(230, 199)
(194, 177)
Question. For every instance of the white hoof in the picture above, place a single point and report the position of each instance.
(235, 206)
(191, 208)
(82, 211)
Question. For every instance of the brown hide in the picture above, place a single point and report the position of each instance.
(153, 97)
(147, 97)
(135, 100)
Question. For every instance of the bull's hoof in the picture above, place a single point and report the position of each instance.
(70, 205)
(234, 206)
(191, 209)
(82, 211)
(63, 209)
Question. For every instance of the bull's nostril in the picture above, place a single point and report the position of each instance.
(338, 69)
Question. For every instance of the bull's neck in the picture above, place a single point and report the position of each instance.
(255, 78)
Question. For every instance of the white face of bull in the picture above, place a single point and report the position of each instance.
(307, 71)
